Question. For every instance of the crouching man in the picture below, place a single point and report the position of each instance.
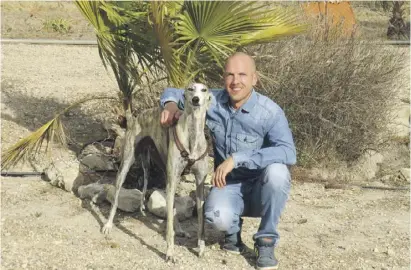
(253, 145)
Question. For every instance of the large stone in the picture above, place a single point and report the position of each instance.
(96, 156)
(65, 174)
(129, 200)
(95, 192)
(367, 166)
(157, 205)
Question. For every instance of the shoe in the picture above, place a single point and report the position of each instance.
(264, 248)
(233, 243)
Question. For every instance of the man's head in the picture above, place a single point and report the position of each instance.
(239, 78)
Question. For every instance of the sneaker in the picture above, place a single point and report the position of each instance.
(233, 243)
(264, 248)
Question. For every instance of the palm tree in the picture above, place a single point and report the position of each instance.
(174, 40)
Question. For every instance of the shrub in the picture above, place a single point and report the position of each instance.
(59, 25)
(337, 95)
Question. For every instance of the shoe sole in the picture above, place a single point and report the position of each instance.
(268, 268)
(233, 252)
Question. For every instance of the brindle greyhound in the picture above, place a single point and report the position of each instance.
(178, 147)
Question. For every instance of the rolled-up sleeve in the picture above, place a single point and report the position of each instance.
(172, 94)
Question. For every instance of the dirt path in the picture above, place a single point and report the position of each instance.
(46, 228)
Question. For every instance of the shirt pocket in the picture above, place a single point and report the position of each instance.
(245, 142)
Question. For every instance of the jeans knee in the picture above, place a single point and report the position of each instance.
(221, 219)
(277, 177)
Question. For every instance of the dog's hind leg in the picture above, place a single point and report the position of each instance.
(145, 163)
(127, 161)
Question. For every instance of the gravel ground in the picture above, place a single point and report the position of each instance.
(43, 227)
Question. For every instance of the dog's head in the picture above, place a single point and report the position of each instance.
(197, 95)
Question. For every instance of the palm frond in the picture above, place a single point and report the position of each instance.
(52, 131)
(215, 29)
(164, 33)
(123, 43)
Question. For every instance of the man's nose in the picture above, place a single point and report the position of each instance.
(196, 100)
(236, 79)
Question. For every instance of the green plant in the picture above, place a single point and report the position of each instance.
(175, 41)
(59, 25)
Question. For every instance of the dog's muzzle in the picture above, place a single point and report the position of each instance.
(196, 101)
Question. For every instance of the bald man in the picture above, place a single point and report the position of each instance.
(253, 145)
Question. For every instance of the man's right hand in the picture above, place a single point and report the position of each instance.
(170, 114)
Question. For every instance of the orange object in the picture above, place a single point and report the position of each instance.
(332, 14)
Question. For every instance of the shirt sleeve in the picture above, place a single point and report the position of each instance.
(172, 94)
(280, 147)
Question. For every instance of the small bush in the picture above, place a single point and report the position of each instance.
(59, 25)
(337, 95)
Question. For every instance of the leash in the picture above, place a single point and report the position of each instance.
(183, 152)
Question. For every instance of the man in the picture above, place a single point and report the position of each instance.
(253, 145)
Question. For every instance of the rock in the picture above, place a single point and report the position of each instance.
(65, 174)
(184, 207)
(95, 192)
(302, 221)
(367, 166)
(190, 178)
(97, 157)
(405, 172)
(157, 205)
(129, 200)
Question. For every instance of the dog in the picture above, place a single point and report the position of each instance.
(180, 147)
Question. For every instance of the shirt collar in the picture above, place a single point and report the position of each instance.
(248, 105)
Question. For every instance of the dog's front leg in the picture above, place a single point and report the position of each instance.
(172, 181)
(200, 173)
(127, 161)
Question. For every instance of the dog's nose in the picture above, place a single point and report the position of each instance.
(196, 100)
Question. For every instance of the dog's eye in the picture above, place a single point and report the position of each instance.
(190, 89)
(204, 90)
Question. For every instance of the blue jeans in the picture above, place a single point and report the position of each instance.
(265, 197)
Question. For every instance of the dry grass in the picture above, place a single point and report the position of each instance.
(337, 95)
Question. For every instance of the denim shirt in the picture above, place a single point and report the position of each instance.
(255, 135)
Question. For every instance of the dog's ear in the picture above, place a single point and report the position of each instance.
(209, 99)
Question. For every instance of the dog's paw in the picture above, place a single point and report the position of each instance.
(170, 257)
(201, 248)
(107, 228)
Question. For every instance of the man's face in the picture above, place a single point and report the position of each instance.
(239, 79)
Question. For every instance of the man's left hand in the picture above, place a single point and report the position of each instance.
(221, 172)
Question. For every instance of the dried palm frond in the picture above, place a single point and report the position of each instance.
(52, 131)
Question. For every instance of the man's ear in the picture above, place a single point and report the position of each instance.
(255, 78)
